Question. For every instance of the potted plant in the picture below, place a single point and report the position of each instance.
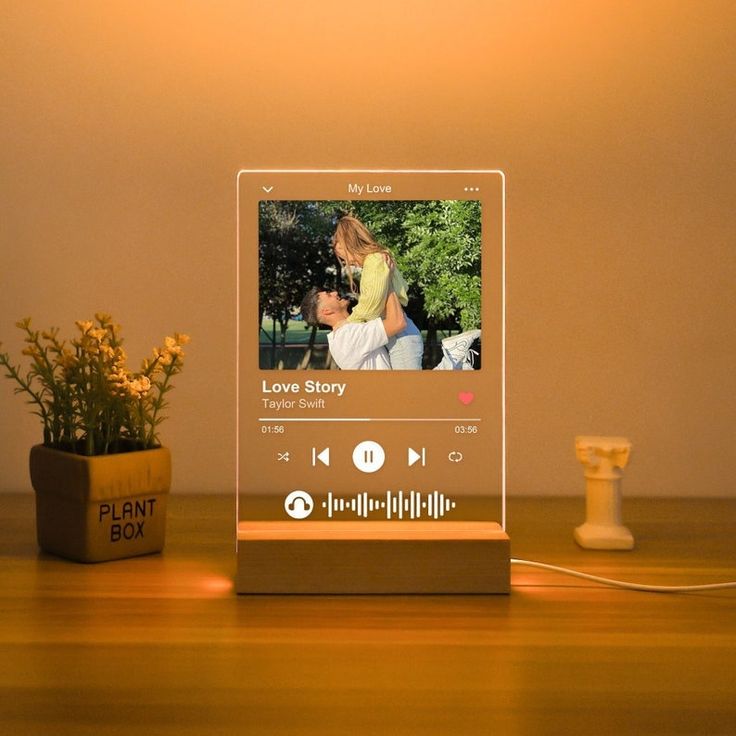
(101, 476)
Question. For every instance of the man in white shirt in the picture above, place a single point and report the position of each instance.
(354, 345)
(362, 345)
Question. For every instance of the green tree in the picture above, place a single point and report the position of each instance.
(437, 246)
(294, 254)
(443, 259)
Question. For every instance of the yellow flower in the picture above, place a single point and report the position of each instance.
(173, 348)
(91, 348)
(118, 374)
(120, 356)
(118, 377)
(138, 387)
(84, 325)
(67, 360)
(162, 356)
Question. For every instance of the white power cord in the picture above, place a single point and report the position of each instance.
(620, 584)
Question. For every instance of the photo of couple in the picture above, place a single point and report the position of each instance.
(373, 285)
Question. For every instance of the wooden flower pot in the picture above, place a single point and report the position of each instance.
(106, 507)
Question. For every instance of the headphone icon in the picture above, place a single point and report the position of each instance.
(298, 504)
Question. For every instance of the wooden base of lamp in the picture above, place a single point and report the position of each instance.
(336, 557)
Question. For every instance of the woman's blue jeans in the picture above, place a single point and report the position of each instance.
(405, 350)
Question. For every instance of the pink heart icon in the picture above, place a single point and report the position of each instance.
(466, 397)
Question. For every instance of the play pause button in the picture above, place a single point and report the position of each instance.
(415, 457)
(368, 456)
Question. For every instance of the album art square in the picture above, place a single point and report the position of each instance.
(369, 284)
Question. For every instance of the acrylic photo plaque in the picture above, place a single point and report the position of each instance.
(371, 368)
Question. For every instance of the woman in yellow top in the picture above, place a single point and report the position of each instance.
(355, 246)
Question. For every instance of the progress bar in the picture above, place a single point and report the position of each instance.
(281, 420)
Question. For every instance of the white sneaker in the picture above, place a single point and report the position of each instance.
(456, 350)
(469, 364)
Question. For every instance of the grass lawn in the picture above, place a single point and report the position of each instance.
(297, 333)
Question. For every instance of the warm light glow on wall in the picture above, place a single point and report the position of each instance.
(124, 124)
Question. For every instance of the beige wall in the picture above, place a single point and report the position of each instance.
(124, 123)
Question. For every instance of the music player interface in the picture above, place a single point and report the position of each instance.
(370, 342)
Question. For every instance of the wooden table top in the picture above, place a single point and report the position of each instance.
(161, 645)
